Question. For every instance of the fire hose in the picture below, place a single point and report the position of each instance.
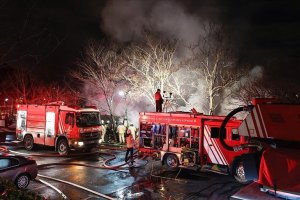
(78, 186)
(54, 188)
(106, 165)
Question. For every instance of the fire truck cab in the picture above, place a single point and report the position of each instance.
(60, 126)
(190, 140)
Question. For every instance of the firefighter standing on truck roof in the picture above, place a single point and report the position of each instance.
(129, 145)
(121, 131)
(158, 101)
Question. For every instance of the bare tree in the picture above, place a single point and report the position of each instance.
(245, 91)
(182, 84)
(150, 65)
(101, 69)
(286, 91)
(43, 94)
(22, 85)
(214, 64)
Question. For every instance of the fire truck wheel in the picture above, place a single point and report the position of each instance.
(238, 170)
(28, 142)
(171, 161)
(62, 147)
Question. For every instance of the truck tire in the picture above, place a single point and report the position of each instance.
(28, 142)
(171, 161)
(238, 171)
(63, 147)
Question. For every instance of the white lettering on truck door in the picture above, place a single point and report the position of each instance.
(50, 123)
(21, 120)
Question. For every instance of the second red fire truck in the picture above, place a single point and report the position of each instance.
(59, 126)
(264, 147)
(190, 140)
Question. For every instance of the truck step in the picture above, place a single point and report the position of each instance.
(215, 169)
(194, 168)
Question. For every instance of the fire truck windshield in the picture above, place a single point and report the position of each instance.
(86, 119)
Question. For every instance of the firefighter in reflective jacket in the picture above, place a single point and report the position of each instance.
(121, 129)
(158, 100)
(129, 144)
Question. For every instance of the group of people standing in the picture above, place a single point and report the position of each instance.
(130, 131)
(126, 134)
(122, 129)
(118, 134)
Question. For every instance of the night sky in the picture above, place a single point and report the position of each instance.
(264, 32)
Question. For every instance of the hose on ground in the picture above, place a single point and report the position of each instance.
(78, 186)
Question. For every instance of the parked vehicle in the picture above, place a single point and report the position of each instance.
(59, 126)
(18, 169)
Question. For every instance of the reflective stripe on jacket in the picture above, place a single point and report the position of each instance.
(129, 141)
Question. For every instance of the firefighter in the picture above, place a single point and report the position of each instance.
(133, 130)
(158, 101)
(104, 128)
(129, 144)
(121, 131)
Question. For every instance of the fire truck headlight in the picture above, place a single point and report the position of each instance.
(80, 143)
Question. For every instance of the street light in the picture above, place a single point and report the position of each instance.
(5, 104)
(122, 93)
(124, 96)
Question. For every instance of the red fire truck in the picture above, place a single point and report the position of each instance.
(190, 140)
(273, 132)
(60, 126)
(264, 147)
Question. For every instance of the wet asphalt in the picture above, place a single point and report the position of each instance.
(148, 179)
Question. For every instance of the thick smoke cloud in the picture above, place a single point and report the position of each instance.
(126, 20)
(256, 73)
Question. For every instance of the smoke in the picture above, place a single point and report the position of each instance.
(133, 107)
(126, 20)
(120, 104)
(256, 73)
(230, 103)
(92, 97)
(169, 18)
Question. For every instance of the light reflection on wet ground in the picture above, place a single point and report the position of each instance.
(148, 180)
(155, 182)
